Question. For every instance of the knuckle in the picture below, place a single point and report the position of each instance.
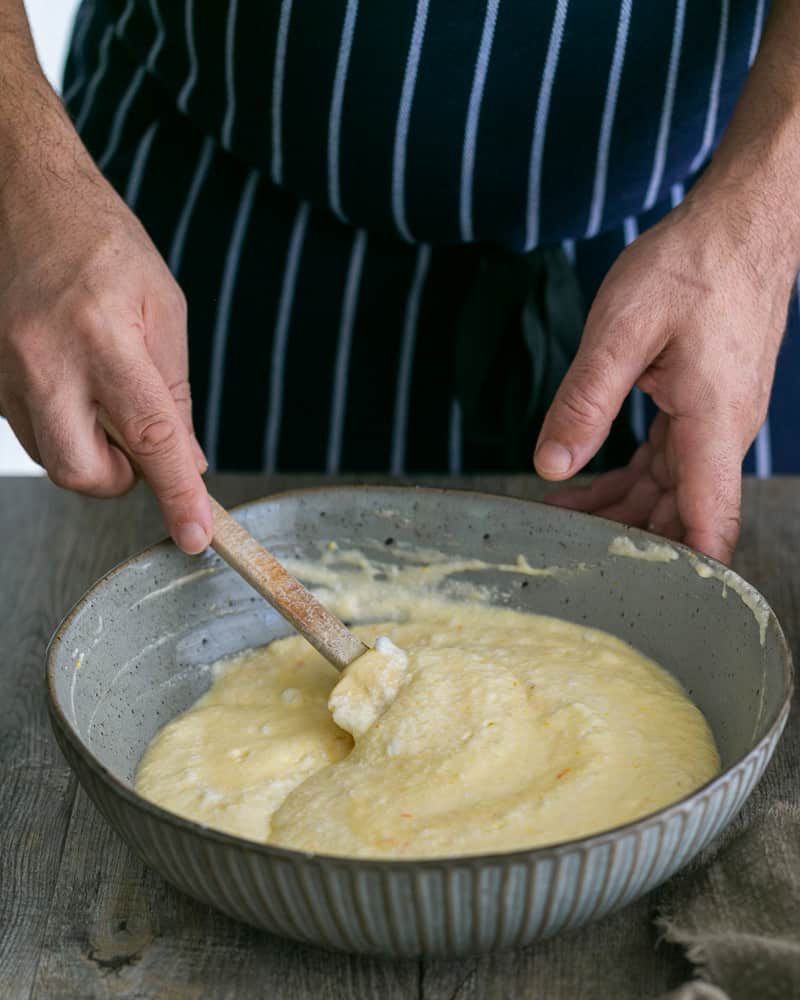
(728, 529)
(151, 436)
(74, 478)
(732, 525)
(181, 392)
(87, 317)
(178, 494)
(748, 409)
(730, 534)
(168, 303)
(31, 370)
(584, 401)
(178, 306)
(21, 353)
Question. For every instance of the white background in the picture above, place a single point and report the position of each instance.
(50, 21)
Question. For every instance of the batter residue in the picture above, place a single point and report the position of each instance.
(470, 729)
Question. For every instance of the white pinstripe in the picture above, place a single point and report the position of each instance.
(455, 443)
(179, 236)
(607, 123)
(220, 340)
(337, 100)
(191, 47)
(120, 116)
(347, 322)
(97, 76)
(630, 230)
(758, 25)
(716, 83)
(404, 118)
(80, 41)
(278, 73)
(139, 166)
(230, 81)
(124, 106)
(568, 246)
(155, 51)
(124, 17)
(660, 155)
(676, 193)
(763, 452)
(540, 124)
(403, 387)
(473, 117)
(280, 337)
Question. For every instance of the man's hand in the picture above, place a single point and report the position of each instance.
(91, 317)
(693, 313)
(694, 319)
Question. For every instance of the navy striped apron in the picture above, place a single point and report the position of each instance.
(325, 180)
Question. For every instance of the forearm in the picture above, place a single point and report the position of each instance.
(754, 176)
(33, 121)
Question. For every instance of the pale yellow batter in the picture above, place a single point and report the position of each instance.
(481, 729)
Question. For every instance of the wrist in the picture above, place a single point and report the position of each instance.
(747, 212)
(38, 150)
(752, 185)
(35, 129)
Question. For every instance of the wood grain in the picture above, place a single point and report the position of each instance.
(80, 916)
(46, 565)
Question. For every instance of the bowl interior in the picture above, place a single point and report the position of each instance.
(135, 652)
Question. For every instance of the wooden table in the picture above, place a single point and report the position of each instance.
(80, 916)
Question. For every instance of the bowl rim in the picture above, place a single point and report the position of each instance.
(517, 856)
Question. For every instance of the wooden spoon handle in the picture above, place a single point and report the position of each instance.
(264, 573)
(284, 592)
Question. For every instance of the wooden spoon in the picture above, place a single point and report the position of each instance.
(326, 633)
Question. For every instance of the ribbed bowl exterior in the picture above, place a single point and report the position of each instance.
(450, 907)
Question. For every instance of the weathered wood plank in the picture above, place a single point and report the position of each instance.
(117, 929)
(618, 957)
(46, 564)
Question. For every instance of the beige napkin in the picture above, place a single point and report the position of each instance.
(736, 911)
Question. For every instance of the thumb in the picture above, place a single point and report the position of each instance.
(587, 401)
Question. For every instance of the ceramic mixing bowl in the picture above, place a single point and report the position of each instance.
(134, 652)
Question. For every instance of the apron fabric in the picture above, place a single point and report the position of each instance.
(341, 204)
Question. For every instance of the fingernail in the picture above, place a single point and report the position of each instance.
(191, 537)
(553, 458)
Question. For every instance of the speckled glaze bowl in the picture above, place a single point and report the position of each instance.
(132, 654)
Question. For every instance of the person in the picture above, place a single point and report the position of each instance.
(376, 213)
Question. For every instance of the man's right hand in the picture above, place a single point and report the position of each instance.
(90, 317)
